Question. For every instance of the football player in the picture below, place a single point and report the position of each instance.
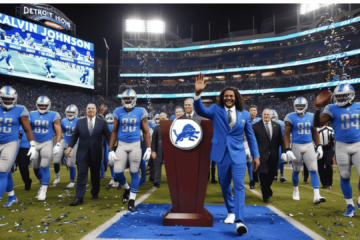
(128, 121)
(85, 77)
(47, 68)
(44, 122)
(17, 39)
(29, 41)
(275, 118)
(249, 158)
(11, 117)
(88, 57)
(113, 182)
(68, 125)
(300, 124)
(4, 54)
(344, 115)
(2, 34)
(74, 53)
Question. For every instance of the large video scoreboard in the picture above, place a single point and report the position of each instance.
(32, 51)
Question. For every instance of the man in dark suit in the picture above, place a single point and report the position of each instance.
(157, 152)
(269, 139)
(90, 132)
(189, 111)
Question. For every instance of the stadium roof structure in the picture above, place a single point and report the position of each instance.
(245, 42)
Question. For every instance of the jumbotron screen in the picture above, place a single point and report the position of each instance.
(32, 51)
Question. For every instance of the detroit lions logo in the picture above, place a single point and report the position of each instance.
(188, 131)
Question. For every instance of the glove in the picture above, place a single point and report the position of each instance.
(147, 154)
(283, 157)
(112, 158)
(319, 151)
(56, 149)
(32, 151)
(247, 153)
(290, 155)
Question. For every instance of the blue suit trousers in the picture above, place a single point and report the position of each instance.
(228, 170)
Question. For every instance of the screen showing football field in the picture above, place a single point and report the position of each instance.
(32, 51)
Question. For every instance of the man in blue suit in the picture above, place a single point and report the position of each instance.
(230, 120)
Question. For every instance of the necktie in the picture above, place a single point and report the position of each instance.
(229, 117)
(188, 116)
(268, 130)
(91, 126)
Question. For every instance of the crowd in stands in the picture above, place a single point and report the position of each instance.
(258, 57)
(60, 96)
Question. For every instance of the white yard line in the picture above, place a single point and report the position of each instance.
(93, 235)
(292, 221)
(19, 55)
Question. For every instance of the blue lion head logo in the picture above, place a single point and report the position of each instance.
(188, 131)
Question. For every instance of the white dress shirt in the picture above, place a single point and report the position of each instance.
(93, 121)
(190, 115)
(270, 127)
(233, 115)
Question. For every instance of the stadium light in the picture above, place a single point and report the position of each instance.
(134, 25)
(308, 7)
(155, 26)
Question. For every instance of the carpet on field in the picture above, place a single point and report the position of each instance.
(146, 223)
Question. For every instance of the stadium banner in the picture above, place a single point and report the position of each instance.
(32, 51)
(242, 69)
(37, 13)
(244, 42)
(256, 91)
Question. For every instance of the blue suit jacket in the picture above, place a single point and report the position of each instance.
(223, 136)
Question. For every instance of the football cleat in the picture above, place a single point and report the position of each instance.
(296, 195)
(230, 219)
(11, 200)
(38, 194)
(56, 181)
(320, 200)
(10, 68)
(42, 195)
(275, 178)
(350, 212)
(126, 196)
(241, 228)
(71, 185)
(131, 205)
(111, 183)
(116, 184)
(282, 179)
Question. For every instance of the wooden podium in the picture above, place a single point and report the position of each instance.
(187, 175)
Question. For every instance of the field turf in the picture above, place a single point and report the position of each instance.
(65, 222)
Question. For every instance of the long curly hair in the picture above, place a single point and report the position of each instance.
(239, 101)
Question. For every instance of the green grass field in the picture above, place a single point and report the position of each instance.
(33, 214)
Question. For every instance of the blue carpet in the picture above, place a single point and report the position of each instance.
(146, 223)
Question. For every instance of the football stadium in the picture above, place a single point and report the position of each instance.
(172, 121)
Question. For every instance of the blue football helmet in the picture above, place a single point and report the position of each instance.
(129, 98)
(7, 94)
(300, 106)
(71, 112)
(43, 100)
(344, 94)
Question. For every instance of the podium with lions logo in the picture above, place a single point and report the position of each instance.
(186, 149)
